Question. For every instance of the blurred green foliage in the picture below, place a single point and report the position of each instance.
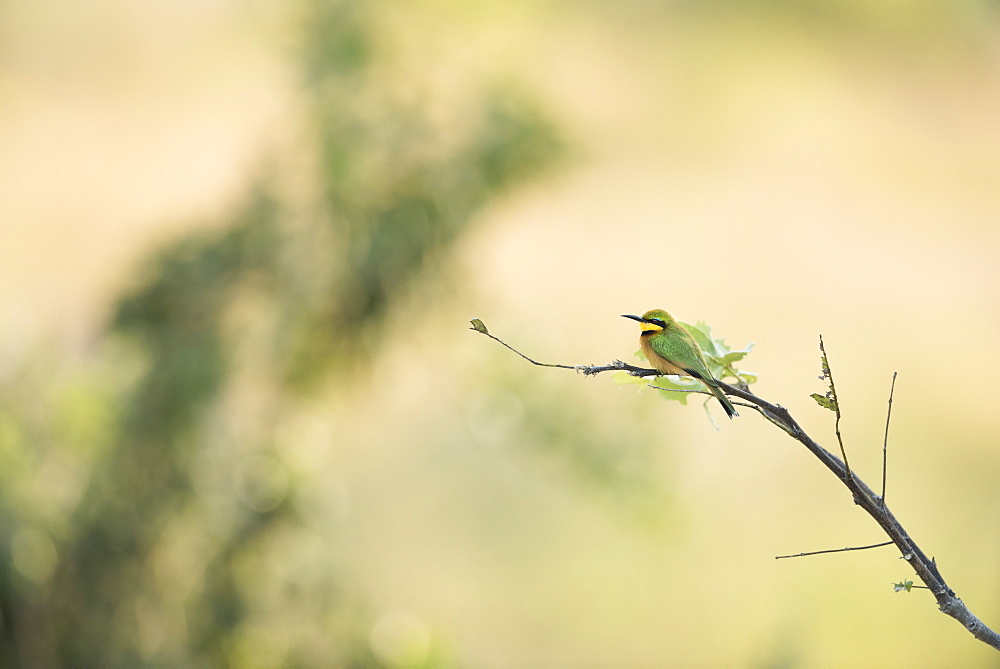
(168, 551)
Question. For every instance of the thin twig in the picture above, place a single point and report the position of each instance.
(925, 567)
(833, 550)
(533, 362)
(885, 440)
(681, 390)
(709, 395)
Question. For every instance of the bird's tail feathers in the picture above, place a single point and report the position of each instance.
(713, 386)
(724, 401)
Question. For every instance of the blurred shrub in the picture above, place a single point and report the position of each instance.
(181, 505)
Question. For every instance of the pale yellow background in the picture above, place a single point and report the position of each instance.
(778, 170)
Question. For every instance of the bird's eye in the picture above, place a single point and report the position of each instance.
(657, 321)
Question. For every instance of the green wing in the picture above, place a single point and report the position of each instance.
(680, 348)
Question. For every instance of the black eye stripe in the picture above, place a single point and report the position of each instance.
(657, 321)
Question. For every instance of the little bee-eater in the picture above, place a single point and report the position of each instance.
(671, 349)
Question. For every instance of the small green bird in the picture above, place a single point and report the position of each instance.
(671, 349)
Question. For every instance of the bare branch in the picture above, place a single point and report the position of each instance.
(885, 440)
(925, 568)
(481, 329)
(834, 550)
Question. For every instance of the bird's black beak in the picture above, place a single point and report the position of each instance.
(635, 318)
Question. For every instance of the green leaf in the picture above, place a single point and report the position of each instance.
(479, 326)
(702, 334)
(828, 401)
(669, 383)
(666, 384)
(825, 401)
(734, 356)
(905, 585)
(622, 378)
(719, 355)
